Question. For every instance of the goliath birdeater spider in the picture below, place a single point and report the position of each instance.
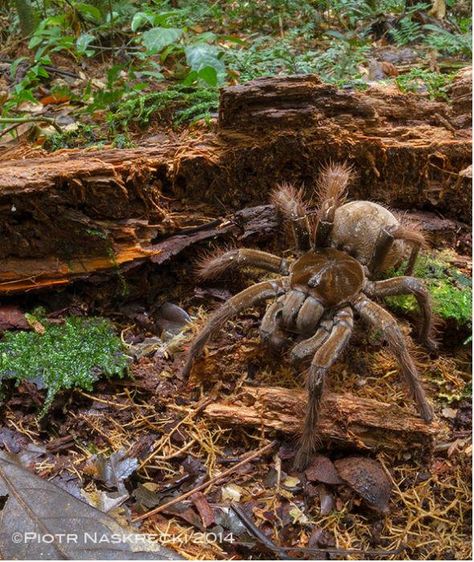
(340, 258)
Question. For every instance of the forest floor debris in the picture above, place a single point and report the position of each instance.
(172, 452)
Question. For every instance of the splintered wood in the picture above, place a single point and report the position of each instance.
(77, 212)
(346, 420)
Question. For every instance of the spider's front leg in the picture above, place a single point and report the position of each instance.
(332, 186)
(308, 347)
(407, 286)
(322, 361)
(245, 299)
(270, 331)
(222, 261)
(290, 203)
(382, 320)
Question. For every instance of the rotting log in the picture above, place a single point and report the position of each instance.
(20, 274)
(24, 274)
(346, 420)
(71, 214)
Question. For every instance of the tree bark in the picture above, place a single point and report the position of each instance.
(27, 16)
(346, 420)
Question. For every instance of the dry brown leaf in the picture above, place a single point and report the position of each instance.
(367, 478)
(323, 470)
(34, 511)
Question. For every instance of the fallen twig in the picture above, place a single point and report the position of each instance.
(206, 484)
(282, 550)
(20, 120)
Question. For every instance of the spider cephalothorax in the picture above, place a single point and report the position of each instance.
(316, 295)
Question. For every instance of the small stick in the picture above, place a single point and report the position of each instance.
(20, 120)
(206, 484)
(282, 550)
(7, 130)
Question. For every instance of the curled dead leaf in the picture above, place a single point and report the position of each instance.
(367, 478)
(323, 470)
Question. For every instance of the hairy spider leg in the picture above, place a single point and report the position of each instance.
(380, 319)
(331, 191)
(322, 361)
(291, 306)
(384, 243)
(309, 315)
(289, 201)
(245, 299)
(216, 264)
(407, 286)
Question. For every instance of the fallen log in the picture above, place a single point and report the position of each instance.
(346, 420)
(70, 214)
(26, 274)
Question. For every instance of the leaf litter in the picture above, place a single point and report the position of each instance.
(163, 449)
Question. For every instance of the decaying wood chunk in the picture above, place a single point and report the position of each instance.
(76, 212)
(345, 419)
(461, 98)
(25, 274)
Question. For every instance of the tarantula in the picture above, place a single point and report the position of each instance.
(315, 297)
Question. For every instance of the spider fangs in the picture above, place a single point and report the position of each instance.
(315, 297)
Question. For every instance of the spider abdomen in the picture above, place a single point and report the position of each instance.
(356, 229)
(330, 276)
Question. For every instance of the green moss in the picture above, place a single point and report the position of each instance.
(71, 355)
(83, 135)
(450, 288)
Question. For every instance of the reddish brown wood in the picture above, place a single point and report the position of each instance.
(77, 212)
(345, 419)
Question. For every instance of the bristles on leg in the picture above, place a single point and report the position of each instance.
(289, 201)
(214, 264)
(333, 181)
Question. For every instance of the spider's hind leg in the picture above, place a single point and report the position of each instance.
(407, 286)
(245, 299)
(385, 241)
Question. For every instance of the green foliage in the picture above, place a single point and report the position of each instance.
(183, 103)
(435, 83)
(49, 37)
(338, 63)
(449, 43)
(175, 54)
(450, 289)
(408, 31)
(84, 135)
(71, 355)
